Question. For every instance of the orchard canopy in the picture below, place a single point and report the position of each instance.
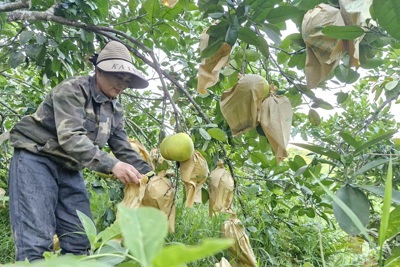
(339, 56)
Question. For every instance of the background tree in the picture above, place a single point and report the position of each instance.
(43, 42)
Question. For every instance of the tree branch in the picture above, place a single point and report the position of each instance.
(105, 31)
(6, 7)
(376, 113)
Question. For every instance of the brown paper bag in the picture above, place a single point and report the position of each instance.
(221, 190)
(355, 12)
(276, 122)
(194, 173)
(241, 252)
(210, 67)
(160, 194)
(241, 104)
(133, 194)
(140, 149)
(323, 52)
(223, 263)
(161, 166)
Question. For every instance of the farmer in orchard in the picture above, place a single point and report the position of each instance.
(52, 146)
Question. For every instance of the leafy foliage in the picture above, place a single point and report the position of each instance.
(43, 42)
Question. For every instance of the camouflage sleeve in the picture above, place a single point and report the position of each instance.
(69, 114)
(122, 149)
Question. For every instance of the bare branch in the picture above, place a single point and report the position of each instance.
(7, 7)
(376, 113)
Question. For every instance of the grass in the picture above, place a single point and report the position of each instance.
(274, 243)
(6, 240)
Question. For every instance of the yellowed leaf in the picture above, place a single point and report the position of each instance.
(169, 3)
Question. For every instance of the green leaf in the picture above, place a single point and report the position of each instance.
(318, 102)
(212, 48)
(343, 32)
(342, 97)
(16, 59)
(387, 200)
(259, 157)
(394, 259)
(217, 134)
(308, 4)
(109, 233)
(370, 165)
(248, 35)
(349, 139)
(111, 253)
(152, 8)
(387, 13)
(218, 31)
(89, 227)
(283, 13)
(143, 230)
(102, 8)
(25, 37)
(56, 30)
(272, 32)
(233, 31)
(374, 141)
(283, 57)
(204, 134)
(358, 203)
(263, 46)
(393, 228)
(298, 61)
(320, 150)
(372, 63)
(391, 85)
(33, 51)
(380, 191)
(178, 254)
(64, 261)
(346, 75)
(297, 163)
(353, 217)
(313, 117)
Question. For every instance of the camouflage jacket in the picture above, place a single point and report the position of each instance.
(71, 126)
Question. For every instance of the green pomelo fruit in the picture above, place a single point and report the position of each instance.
(265, 88)
(178, 147)
(252, 55)
(239, 54)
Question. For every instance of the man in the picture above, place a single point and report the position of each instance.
(52, 146)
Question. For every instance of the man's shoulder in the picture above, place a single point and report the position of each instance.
(74, 83)
(78, 80)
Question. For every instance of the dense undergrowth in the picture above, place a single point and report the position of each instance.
(277, 239)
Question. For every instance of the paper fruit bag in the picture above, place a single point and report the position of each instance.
(210, 67)
(276, 122)
(194, 173)
(223, 263)
(160, 194)
(241, 252)
(241, 104)
(323, 52)
(221, 190)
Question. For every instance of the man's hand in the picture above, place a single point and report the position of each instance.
(126, 173)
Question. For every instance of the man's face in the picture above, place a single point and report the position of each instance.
(113, 83)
